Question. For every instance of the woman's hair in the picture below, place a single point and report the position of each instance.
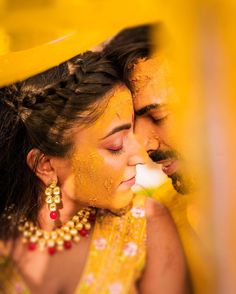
(36, 113)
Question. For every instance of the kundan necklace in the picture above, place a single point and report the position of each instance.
(60, 238)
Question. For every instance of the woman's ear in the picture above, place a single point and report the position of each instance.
(41, 165)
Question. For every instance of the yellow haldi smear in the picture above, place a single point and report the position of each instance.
(98, 174)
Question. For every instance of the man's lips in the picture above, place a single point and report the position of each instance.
(169, 166)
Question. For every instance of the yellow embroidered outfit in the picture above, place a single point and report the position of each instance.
(116, 256)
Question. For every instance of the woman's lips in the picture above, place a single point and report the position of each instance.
(129, 182)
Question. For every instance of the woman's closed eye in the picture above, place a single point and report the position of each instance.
(116, 148)
(114, 144)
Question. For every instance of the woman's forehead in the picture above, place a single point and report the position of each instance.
(119, 109)
(119, 105)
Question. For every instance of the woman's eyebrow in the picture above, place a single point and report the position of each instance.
(117, 129)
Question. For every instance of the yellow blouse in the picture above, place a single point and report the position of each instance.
(116, 256)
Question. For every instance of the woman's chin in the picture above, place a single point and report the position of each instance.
(123, 202)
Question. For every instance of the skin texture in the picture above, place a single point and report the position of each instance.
(155, 121)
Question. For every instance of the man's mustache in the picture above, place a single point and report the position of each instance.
(159, 155)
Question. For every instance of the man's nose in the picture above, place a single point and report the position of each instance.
(150, 142)
(139, 155)
(146, 135)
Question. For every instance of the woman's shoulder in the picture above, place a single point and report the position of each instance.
(165, 257)
(155, 209)
(159, 221)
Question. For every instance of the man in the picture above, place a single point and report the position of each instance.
(147, 75)
(144, 66)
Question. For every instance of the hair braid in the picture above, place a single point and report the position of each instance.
(36, 113)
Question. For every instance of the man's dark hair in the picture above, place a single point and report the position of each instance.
(130, 45)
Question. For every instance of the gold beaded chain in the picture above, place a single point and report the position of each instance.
(60, 238)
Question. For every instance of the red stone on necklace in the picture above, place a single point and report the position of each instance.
(83, 232)
(53, 215)
(31, 246)
(67, 244)
(52, 250)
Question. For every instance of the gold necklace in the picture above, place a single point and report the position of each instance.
(60, 238)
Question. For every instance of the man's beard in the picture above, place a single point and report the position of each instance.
(180, 181)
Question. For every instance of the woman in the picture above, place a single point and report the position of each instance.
(67, 163)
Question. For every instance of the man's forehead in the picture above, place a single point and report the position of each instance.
(150, 83)
(151, 66)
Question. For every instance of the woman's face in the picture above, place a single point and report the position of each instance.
(102, 167)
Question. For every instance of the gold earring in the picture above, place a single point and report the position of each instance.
(53, 198)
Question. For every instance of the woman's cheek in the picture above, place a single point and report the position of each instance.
(96, 179)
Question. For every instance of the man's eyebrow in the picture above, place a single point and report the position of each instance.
(117, 129)
(147, 108)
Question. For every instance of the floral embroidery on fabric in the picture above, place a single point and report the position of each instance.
(130, 249)
(118, 249)
(89, 279)
(138, 211)
(100, 243)
(115, 288)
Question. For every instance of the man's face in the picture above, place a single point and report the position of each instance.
(153, 101)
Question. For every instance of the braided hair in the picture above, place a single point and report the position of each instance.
(36, 113)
